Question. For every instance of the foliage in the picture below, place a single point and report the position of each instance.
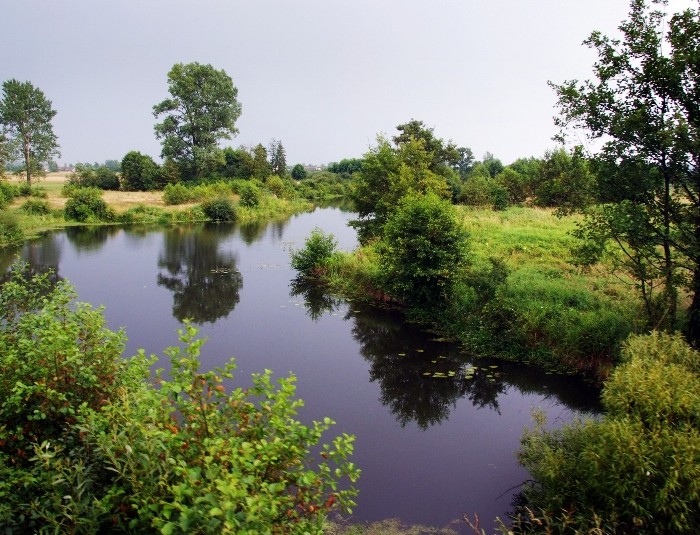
(314, 256)
(250, 195)
(178, 194)
(219, 209)
(418, 163)
(87, 176)
(346, 167)
(87, 203)
(202, 109)
(8, 192)
(275, 185)
(298, 172)
(643, 104)
(261, 167)
(278, 158)
(36, 207)
(139, 172)
(10, 231)
(422, 250)
(565, 181)
(638, 469)
(89, 445)
(25, 118)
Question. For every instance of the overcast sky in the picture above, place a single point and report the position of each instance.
(323, 76)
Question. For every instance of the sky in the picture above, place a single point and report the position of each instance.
(325, 77)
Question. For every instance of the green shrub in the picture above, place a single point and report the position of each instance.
(317, 251)
(637, 469)
(8, 192)
(250, 195)
(10, 231)
(36, 207)
(177, 194)
(87, 176)
(87, 203)
(219, 209)
(275, 185)
(89, 445)
(422, 250)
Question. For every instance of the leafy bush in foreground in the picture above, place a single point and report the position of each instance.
(88, 444)
(638, 469)
(219, 209)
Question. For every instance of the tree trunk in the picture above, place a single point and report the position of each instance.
(693, 327)
(26, 162)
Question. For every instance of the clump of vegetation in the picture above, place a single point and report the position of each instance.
(249, 195)
(36, 207)
(318, 250)
(88, 176)
(85, 204)
(637, 469)
(10, 230)
(219, 209)
(8, 192)
(177, 194)
(89, 444)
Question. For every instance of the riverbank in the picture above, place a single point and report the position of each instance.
(43, 209)
(521, 298)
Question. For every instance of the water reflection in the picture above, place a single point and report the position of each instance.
(204, 279)
(90, 238)
(41, 257)
(420, 380)
(317, 301)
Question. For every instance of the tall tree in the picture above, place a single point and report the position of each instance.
(202, 110)
(25, 118)
(645, 104)
(278, 158)
(261, 167)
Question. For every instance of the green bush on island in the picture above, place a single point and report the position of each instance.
(89, 443)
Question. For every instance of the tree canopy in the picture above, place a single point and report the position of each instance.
(644, 103)
(201, 110)
(25, 119)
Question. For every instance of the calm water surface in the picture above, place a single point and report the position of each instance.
(430, 448)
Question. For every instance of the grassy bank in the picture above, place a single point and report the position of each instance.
(45, 208)
(521, 296)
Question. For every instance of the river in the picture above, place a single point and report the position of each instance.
(436, 432)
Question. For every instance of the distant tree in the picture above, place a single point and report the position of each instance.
(25, 118)
(278, 159)
(261, 167)
(52, 166)
(463, 165)
(493, 164)
(237, 163)
(86, 176)
(566, 181)
(114, 165)
(346, 167)
(443, 155)
(139, 172)
(298, 172)
(202, 110)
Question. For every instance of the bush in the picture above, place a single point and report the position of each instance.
(88, 444)
(10, 231)
(219, 209)
(85, 204)
(36, 207)
(318, 250)
(86, 176)
(638, 469)
(177, 194)
(275, 185)
(250, 195)
(8, 192)
(422, 250)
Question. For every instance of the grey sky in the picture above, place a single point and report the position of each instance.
(323, 76)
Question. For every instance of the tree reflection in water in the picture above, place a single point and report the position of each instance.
(420, 380)
(204, 280)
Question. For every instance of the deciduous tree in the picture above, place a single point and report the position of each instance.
(25, 118)
(201, 110)
(645, 104)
